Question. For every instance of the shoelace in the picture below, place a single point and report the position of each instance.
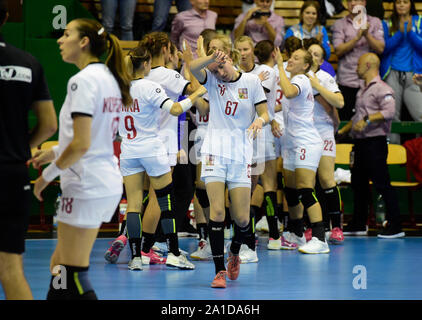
(220, 275)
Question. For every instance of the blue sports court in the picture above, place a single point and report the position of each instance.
(392, 272)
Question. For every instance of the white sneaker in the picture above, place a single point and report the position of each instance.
(274, 244)
(180, 262)
(293, 238)
(203, 252)
(262, 225)
(315, 246)
(247, 255)
(135, 264)
(327, 235)
(227, 233)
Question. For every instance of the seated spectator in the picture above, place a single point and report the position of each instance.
(249, 4)
(350, 44)
(189, 24)
(310, 26)
(162, 9)
(260, 23)
(401, 58)
(326, 66)
(127, 11)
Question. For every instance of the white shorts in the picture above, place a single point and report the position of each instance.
(199, 140)
(154, 166)
(172, 159)
(87, 213)
(329, 147)
(218, 169)
(306, 157)
(264, 146)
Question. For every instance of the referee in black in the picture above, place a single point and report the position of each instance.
(22, 87)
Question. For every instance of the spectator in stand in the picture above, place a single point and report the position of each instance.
(350, 43)
(189, 24)
(402, 57)
(310, 26)
(162, 9)
(127, 11)
(260, 23)
(369, 127)
(249, 4)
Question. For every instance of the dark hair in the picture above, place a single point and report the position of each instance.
(263, 50)
(154, 42)
(173, 48)
(208, 35)
(307, 43)
(308, 59)
(99, 43)
(314, 4)
(3, 11)
(291, 45)
(138, 56)
(395, 17)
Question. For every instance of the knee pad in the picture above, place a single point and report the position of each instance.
(202, 197)
(168, 225)
(292, 196)
(134, 225)
(307, 197)
(165, 198)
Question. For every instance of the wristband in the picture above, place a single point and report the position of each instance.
(51, 172)
(186, 104)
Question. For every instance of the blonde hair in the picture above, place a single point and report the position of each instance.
(228, 48)
(244, 39)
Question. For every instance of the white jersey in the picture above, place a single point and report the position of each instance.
(321, 117)
(202, 121)
(270, 86)
(140, 122)
(280, 97)
(300, 127)
(232, 111)
(93, 91)
(174, 85)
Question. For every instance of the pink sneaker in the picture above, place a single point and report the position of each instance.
(152, 258)
(308, 234)
(286, 245)
(336, 236)
(112, 253)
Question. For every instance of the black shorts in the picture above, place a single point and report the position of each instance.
(15, 204)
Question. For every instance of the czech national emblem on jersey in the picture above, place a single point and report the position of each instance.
(243, 93)
(209, 160)
(222, 89)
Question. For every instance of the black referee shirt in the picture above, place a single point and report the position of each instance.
(22, 82)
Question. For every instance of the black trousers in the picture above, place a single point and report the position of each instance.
(346, 113)
(370, 162)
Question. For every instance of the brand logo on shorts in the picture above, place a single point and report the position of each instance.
(243, 93)
(27, 187)
(249, 170)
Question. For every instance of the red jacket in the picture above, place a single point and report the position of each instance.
(414, 157)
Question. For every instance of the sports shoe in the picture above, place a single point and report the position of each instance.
(286, 245)
(152, 258)
(203, 252)
(227, 233)
(180, 262)
(391, 232)
(262, 225)
(274, 244)
(135, 264)
(354, 230)
(112, 253)
(161, 248)
(293, 238)
(308, 234)
(233, 266)
(336, 236)
(247, 255)
(219, 280)
(315, 246)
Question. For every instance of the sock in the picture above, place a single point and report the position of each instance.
(227, 219)
(147, 241)
(202, 231)
(71, 284)
(286, 220)
(251, 241)
(270, 199)
(216, 235)
(318, 231)
(242, 235)
(332, 198)
(296, 226)
(122, 229)
(134, 231)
